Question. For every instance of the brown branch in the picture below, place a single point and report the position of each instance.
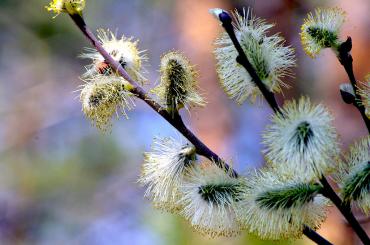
(346, 211)
(315, 237)
(345, 58)
(139, 92)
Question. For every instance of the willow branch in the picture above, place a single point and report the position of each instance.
(268, 95)
(140, 93)
(345, 58)
(315, 237)
(329, 193)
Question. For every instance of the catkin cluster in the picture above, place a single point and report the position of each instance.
(301, 145)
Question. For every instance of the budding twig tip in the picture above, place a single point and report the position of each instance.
(216, 12)
(221, 15)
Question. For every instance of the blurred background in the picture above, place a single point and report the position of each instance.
(63, 182)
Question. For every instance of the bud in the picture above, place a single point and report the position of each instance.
(354, 175)
(210, 195)
(347, 93)
(68, 6)
(218, 13)
(321, 30)
(102, 97)
(122, 49)
(164, 169)
(357, 184)
(288, 197)
(178, 86)
(364, 90)
(271, 60)
(346, 46)
(302, 139)
(276, 206)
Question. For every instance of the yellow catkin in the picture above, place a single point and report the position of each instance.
(178, 85)
(67, 6)
(101, 99)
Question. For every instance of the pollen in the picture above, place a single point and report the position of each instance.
(102, 98)
(163, 171)
(321, 30)
(302, 139)
(209, 199)
(354, 175)
(364, 90)
(178, 84)
(67, 6)
(275, 206)
(271, 60)
(123, 50)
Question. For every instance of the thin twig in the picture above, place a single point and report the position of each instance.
(315, 237)
(345, 58)
(139, 92)
(329, 193)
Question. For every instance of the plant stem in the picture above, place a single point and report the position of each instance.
(139, 92)
(242, 59)
(315, 237)
(345, 58)
(269, 96)
(329, 193)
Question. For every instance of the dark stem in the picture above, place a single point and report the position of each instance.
(315, 237)
(139, 92)
(329, 193)
(268, 95)
(345, 58)
(361, 220)
(243, 60)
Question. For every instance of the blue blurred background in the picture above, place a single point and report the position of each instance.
(63, 182)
